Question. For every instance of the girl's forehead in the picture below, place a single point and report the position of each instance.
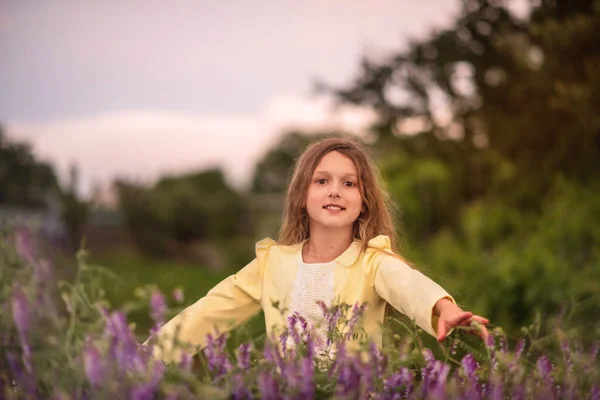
(336, 162)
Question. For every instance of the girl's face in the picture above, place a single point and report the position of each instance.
(333, 199)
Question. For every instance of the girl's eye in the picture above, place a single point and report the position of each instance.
(349, 184)
(321, 181)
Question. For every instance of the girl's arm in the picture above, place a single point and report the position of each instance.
(410, 292)
(421, 299)
(228, 304)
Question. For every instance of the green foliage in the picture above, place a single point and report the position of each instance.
(195, 207)
(511, 264)
(274, 171)
(24, 180)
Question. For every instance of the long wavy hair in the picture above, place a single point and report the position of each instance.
(377, 217)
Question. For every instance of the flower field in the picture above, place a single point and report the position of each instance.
(61, 340)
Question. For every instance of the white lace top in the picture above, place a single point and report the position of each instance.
(314, 282)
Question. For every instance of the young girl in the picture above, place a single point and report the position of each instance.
(336, 244)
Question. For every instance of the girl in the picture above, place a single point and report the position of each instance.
(336, 244)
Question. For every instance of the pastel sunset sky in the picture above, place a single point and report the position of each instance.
(140, 88)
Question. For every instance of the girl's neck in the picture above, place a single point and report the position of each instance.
(323, 247)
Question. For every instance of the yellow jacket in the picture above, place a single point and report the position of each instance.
(374, 276)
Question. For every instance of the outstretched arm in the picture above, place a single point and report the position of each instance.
(418, 297)
(228, 304)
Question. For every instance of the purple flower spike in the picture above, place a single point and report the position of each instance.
(178, 295)
(469, 366)
(267, 386)
(157, 307)
(244, 356)
(240, 391)
(544, 366)
(92, 364)
(21, 312)
(595, 392)
(24, 245)
(594, 354)
(307, 384)
(186, 362)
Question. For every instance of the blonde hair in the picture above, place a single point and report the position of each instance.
(377, 217)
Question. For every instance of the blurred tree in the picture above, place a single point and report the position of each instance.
(495, 86)
(184, 209)
(274, 170)
(24, 181)
(75, 211)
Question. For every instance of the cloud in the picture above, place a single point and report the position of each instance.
(145, 144)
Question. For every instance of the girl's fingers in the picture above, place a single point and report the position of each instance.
(480, 319)
(463, 318)
(441, 331)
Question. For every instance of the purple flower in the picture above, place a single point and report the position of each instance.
(267, 386)
(349, 377)
(20, 311)
(24, 245)
(178, 295)
(393, 385)
(469, 367)
(593, 354)
(240, 390)
(217, 359)
(244, 356)
(544, 366)
(157, 306)
(357, 312)
(518, 392)
(595, 392)
(93, 365)
(566, 350)
(186, 361)
(307, 384)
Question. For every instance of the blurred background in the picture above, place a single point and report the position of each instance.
(164, 135)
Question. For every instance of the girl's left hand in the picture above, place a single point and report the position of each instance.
(450, 316)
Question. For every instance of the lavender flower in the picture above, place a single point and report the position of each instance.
(22, 316)
(348, 378)
(21, 311)
(186, 361)
(469, 367)
(393, 385)
(544, 367)
(240, 389)
(566, 350)
(595, 392)
(307, 384)
(24, 245)
(593, 354)
(267, 386)
(244, 356)
(217, 359)
(178, 295)
(93, 365)
(157, 307)
(518, 392)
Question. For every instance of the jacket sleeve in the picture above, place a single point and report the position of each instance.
(230, 303)
(409, 291)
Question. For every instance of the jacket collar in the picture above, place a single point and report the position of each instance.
(351, 254)
(346, 259)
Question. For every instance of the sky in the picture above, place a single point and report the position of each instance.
(136, 89)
